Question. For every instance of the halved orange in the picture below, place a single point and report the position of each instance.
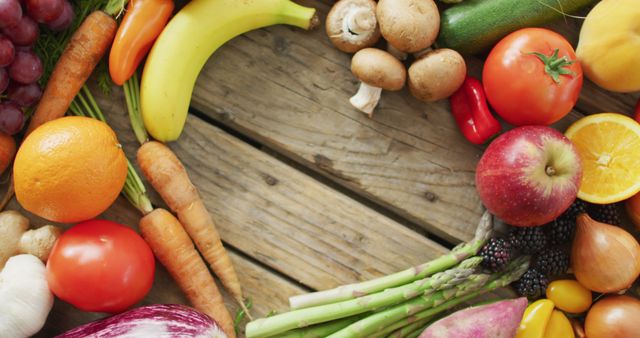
(609, 146)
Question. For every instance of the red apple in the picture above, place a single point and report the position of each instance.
(529, 175)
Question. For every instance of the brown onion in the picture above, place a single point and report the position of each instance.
(614, 317)
(604, 258)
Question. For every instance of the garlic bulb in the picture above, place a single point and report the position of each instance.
(25, 299)
(604, 258)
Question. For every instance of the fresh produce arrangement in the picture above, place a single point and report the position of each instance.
(565, 248)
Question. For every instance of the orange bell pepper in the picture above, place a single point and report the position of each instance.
(141, 25)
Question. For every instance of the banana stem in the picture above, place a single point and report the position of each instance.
(299, 16)
(134, 190)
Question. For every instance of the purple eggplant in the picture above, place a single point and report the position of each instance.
(161, 320)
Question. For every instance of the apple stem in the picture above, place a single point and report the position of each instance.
(550, 171)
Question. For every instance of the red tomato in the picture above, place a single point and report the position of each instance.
(100, 266)
(636, 115)
(519, 87)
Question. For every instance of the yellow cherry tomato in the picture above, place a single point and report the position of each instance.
(569, 296)
(559, 326)
(535, 319)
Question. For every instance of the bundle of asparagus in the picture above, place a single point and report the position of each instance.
(397, 305)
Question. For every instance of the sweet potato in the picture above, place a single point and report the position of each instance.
(496, 320)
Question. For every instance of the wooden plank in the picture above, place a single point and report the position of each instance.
(294, 97)
(267, 291)
(283, 218)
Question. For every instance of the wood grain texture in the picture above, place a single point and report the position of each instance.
(282, 217)
(289, 89)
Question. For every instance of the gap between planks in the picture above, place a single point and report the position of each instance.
(370, 203)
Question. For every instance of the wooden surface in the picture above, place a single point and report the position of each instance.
(307, 192)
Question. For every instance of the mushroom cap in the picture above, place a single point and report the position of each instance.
(344, 40)
(378, 68)
(437, 75)
(409, 25)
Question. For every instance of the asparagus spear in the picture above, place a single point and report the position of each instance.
(420, 308)
(417, 333)
(345, 292)
(324, 329)
(283, 322)
(405, 331)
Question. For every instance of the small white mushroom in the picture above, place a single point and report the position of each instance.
(409, 26)
(352, 25)
(437, 75)
(377, 70)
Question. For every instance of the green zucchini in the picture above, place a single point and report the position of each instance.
(475, 25)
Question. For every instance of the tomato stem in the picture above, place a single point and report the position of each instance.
(555, 66)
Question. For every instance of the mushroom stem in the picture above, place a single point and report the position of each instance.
(366, 99)
(419, 54)
(358, 21)
(400, 55)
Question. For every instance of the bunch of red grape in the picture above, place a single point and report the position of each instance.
(20, 67)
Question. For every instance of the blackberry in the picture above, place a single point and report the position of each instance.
(552, 262)
(528, 240)
(605, 213)
(496, 253)
(532, 284)
(562, 229)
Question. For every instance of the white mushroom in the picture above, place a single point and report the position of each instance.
(351, 25)
(409, 26)
(437, 75)
(377, 70)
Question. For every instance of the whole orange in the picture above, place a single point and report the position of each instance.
(69, 170)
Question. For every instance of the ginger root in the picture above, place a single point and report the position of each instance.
(16, 238)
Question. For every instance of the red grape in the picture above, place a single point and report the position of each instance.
(26, 68)
(44, 11)
(63, 21)
(24, 95)
(7, 51)
(10, 13)
(24, 33)
(11, 118)
(4, 79)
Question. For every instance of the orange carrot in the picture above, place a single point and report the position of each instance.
(7, 151)
(174, 249)
(168, 176)
(85, 49)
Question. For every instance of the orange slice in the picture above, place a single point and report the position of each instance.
(609, 146)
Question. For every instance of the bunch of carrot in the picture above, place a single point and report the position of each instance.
(170, 238)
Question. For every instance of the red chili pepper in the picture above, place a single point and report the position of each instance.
(144, 21)
(636, 116)
(469, 108)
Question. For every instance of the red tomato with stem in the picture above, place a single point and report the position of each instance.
(100, 266)
(532, 77)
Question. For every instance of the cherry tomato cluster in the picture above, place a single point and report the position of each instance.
(20, 67)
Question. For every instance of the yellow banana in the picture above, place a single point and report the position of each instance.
(186, 43)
